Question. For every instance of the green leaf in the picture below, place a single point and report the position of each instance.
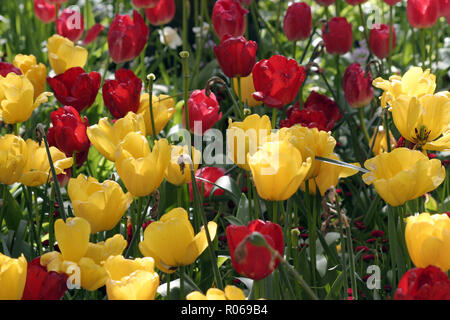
(336, 287)
(13, 214)
(243, 210)
(234, 220)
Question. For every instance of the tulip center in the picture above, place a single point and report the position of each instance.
(421, 136)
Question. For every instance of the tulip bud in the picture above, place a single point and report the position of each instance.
(70, 24)
(444, 8)
(203, 111)
(357, 86)
(145, 3)
(236, 56)
(337, 35)
(228, 17)
(422, 13)
(379, 40)
(247, 89)
(44, 11)
(297, 22)
(93, 33)
(211, 174)
(14, 155)
(162, 13)
(72, 237)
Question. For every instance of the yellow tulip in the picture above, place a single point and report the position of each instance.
(247, 88)
(230, 293)
(171, 240)
(428, 240)
(72, 237)
(380, 144)
(101, 204)
(403, 175)
(93, 276)
(163, 110)
(17, 100)
(63, 54)
(53, 261)
(245, 137)
(37, 167)
(101, 251)
(140, 169)
(414, 83)
(424, 120)
(13, 156)
(178, 171)
(36, 73)
(106, 137)
(131, 279)
(13, 275)
(278, 169)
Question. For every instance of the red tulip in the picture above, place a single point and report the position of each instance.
(422, 13)
(443, 8)
(379, 40)
(211, 174)
(42, 284)
(357, 86)
(93, 33)
(126, 37)
(355, 2)
(162, 13)
(70, 24)
(44, 11)
(75, 87)
(236, 56)
(228, 17)
(123, 94)
(277, 80)
(428, 283)
(325, 2)
(318, 111)
(297, 24)
(6, 67)
(68, 133)
(337, 35)
(203, 111)
(145, 3)
(392, 2)
(257, 262)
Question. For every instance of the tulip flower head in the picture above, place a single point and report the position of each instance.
(145, 3)
(13, 275)
(297, 23)
(162, 13)
(163, 110)
(13, 157)
(36, 73)
(228, 17)
(379, 40)
(6, 67)
(93, 33)
(44, 11)
(72, 237)
(203, 111)
(171, 241)
(211, 174)
(247, 89)
(63, 54)
(357, 86)
(422, 13)
(178, 171)
(70, 24)
(337, 35)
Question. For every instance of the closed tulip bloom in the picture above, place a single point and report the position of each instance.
(162, 13)
(13, 275)
(245, 137)
(17, 100)
(414, 83)
(131, 279)
(247, 89)
(106, 137)
(203, 111)
(76, 88)
(357, 85)
(325, 2)
(122, 94)
(6, 67)
(428, 240)
(44, 11)
(145, 3)
(63, 54)
(258, 262)
(127, 37)
(13, 156)
(101, 204)
(428, 283)
(229, 293)
(36, 73)
(70, 24)
(424, 121)
(278, 170)
(37, 167)
(163, 110)
(178, 171)
(68, 133)
(277, 80)
(236, 56)
(72, 237)
(337, 35)
(228, 17)
(379, 40)
(93, 275)
(140, 169)
(422, 13)
(297, 23)
(171, 241)
(380, 143)
(403, 175)
(100, 252)
(93, 33)
(210, 174)
(443, 8)
(42, 284)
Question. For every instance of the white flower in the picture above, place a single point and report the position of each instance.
(170, 37)
(204, 30)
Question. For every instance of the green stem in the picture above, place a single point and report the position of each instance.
(275, 212)
(343, 247)
(422, 46)
(185, 25)
(182, 295)
(241, 106)
(294, 49)
(386, 127)
(151, 78)
(363, 124)
(391, 27)
(363, 21)
(3, 209)
(168, 286)
(274, 117)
